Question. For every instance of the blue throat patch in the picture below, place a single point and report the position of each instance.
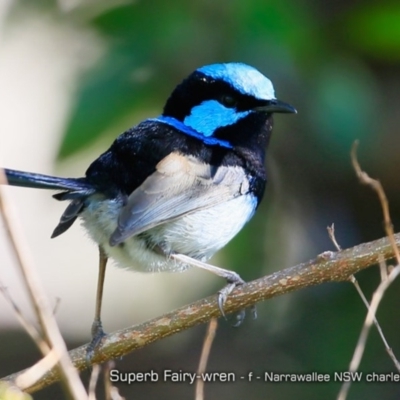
(187, 130)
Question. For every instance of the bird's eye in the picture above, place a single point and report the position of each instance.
(228, 101)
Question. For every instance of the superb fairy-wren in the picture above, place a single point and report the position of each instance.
(173, 190)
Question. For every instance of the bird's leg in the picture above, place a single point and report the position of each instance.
(97, 326)
(231, 277)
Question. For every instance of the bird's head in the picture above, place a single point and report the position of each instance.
(229, 101)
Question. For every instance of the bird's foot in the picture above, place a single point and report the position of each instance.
(231, 277)
(97, 336)
(234, 280)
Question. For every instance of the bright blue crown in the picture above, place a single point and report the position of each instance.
(247, 80)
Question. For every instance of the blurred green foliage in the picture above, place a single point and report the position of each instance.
(148, 54)
(375, 30)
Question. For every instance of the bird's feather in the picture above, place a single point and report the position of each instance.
(68, 217)
(41, 181)
(180, 185)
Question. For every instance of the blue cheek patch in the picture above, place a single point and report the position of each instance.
(188, 130)
(210, 115)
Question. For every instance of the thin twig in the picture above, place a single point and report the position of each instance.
(36, 372)
(111, 391)
(376, 185)
(39, 301)
(358, 353)
(378, 327)
(205, 353)
(331, 233)
(327, 267)
(353, 280)
(383, 269)
(94, 378)
(378, 294)
(30, 329)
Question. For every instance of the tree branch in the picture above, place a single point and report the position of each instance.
(52, 338)
(327, 267)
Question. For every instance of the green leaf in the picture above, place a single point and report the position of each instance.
(375, 30)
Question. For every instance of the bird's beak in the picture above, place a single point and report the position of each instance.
(276, 106)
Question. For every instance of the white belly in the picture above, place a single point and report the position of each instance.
(198, 235)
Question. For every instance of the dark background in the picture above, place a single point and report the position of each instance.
(338, 63)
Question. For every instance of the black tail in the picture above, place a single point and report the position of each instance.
(75, 189)
(39, 181)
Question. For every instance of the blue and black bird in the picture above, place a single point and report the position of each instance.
(173, 190)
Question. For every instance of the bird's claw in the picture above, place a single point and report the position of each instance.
(97, 336)
(223, 296)
(253, 311)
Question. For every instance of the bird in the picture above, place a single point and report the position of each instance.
(173, 190)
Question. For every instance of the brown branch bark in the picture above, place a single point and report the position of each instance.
(327, 267)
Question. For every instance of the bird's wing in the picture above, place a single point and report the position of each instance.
(180, 185)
